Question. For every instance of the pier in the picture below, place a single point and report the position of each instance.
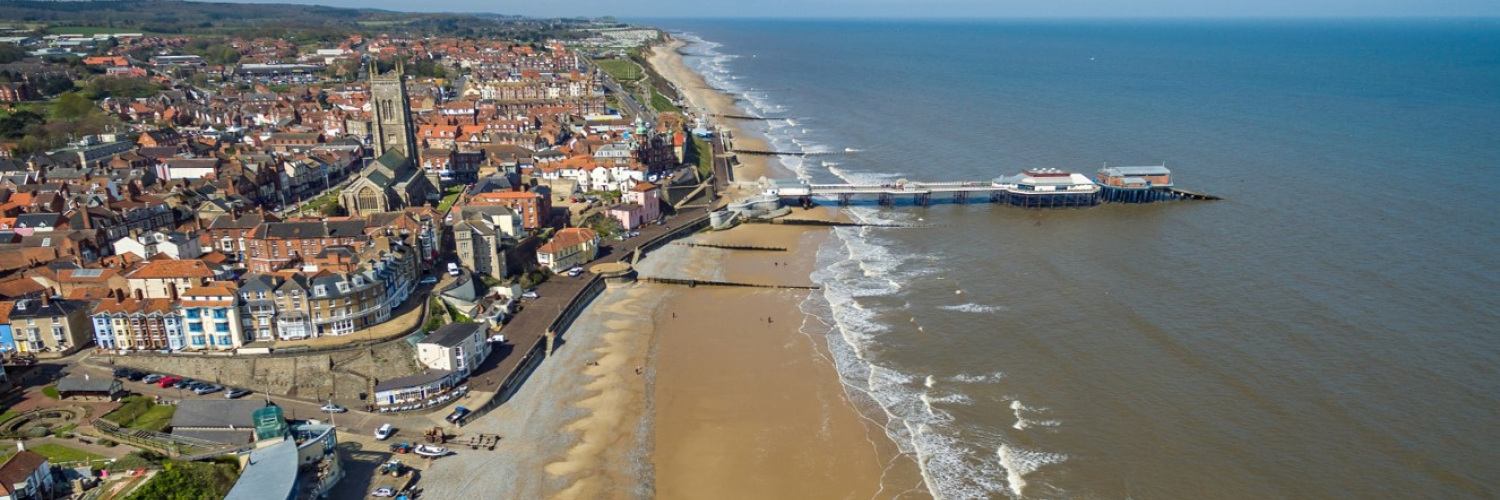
(1033, 188)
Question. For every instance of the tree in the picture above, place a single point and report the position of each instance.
(15, 125)
(10, 52)
(72, 106)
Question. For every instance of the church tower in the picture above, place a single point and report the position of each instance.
(392, 121)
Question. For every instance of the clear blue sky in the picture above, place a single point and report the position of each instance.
(965, 9)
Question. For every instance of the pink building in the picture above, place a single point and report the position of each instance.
(641, 205)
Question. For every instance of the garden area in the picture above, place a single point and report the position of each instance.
(139, 412)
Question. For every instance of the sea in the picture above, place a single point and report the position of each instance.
(1330, 329)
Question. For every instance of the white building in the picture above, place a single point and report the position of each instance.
(178, 245)
(456, 348)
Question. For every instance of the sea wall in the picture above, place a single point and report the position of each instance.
(345, 374)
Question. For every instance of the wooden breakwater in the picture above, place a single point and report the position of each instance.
(735, 247)
(690, 283)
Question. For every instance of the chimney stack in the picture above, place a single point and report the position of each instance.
(140, 294)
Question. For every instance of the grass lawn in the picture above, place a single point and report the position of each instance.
(315, 207)
(449, 198)
(702, 156)
(158, 418)
(59, 453)
(622, 70)
(51, 392)
(139, 412)
(5, 455)
(661, 103)
(9, 414)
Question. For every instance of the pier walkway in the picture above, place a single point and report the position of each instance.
(928, 193)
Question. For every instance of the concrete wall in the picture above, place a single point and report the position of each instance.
(312, 375)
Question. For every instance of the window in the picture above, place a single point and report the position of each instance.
(58, 335)
(192, 313)
(221, 313)
(198, 341)
(221, 327)
(195, 328)
(224, 340)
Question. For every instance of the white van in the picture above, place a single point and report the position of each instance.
(384, 432)
(453, 268)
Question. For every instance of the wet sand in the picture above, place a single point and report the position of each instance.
(749, 406)
(747, 401)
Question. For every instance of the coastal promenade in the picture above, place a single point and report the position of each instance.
(559, 299)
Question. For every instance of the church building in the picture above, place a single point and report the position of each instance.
(393, 181)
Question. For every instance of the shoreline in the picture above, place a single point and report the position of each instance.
(749, 406)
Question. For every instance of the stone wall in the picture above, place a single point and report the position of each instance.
(312, 375)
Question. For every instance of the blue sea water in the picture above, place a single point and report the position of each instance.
(1330, 330)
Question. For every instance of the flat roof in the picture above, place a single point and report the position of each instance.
(412, 380)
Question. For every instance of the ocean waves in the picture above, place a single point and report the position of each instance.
(862, 314)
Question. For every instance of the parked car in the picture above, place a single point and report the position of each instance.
(458, 415)
(429, 280)
(452, 269)
(384, 432)
(123, 372)
(236, 393)
(185, 383)
(332, 408)
(575, 271)
(530, 294)
(136, 375)
(383, 492)
(207, 389)
(168, 382)
(153, 378)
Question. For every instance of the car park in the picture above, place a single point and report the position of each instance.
(207, 389)
(235, 393)
(136, 375)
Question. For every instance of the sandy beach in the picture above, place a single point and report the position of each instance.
(705, 102)
(747, 402)
(659, 391)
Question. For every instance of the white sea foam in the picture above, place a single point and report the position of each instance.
(986, 378)
(1018, 462)
(1023, 422)
(973, 308)
(858, 269)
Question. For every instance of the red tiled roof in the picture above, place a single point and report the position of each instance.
(157, 269)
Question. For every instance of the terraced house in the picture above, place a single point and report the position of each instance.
(50, 328)
(124, 323)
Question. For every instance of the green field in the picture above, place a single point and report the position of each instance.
(621, 70)
(661, 104)
(96, 30)
(59, 453)
(139, 412)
